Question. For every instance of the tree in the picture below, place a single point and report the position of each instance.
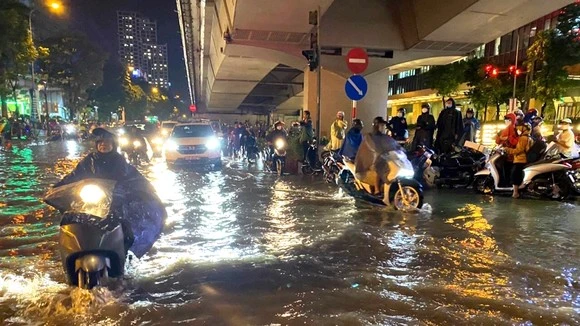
(16, 48)
(548, 57)
(75, 65)
(446, 79)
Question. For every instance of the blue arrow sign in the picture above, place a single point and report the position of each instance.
(356, 87)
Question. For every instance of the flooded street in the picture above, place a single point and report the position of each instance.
(243, 247)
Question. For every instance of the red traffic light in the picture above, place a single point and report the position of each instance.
(512, 69)
(494, 72)
(518, 72)
(193, 108)
(488, 68)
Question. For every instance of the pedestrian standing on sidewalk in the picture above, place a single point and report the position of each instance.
(425, 128)
(449, 127)
(337, 131)
(306, 133)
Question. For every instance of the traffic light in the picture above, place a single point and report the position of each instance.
(514, 71)
(491, 71)
(312, 58)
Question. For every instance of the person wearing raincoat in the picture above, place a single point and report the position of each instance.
(370, 162)
(135, 202)
(337, 130)
(353, 140)
(425, 128)
(449, 127)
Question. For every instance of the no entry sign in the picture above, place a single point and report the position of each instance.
(357, 60)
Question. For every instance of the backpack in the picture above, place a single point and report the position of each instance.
(535, 150)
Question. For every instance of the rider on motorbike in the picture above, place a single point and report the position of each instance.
(107, 163)
(370, 162)
(352, 140)
(277, 133)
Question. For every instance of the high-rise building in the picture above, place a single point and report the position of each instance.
(138, 48)
(155, 64)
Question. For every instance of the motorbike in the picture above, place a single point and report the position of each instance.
(276, 160)
(136, 151)
(400, 191)
(252, 150)
(421, 160)
(454, 169)
(330, 166)
(55, 134)
(93, 239)
(312, 165)
(550, 177)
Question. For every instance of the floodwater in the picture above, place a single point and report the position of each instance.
(243, 247)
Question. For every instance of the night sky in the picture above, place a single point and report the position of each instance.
(98, 19)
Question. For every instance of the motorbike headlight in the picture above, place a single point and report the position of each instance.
(212, 143)
(136, 144)
(92, 194)
(280, 144)
(70, 129)
(157, 140)
(406, 173)
(121, 131)
(164, 132)
(171, 145)
(123, 141)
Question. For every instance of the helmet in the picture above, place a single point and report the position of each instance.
(357, 123)
(524, 125)
(279, 123)
(340, 113)
(102, 134)
(426, 106)
(402, 110)
(469, 110)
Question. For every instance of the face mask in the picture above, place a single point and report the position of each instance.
(424, 110)
(400, 115)
(508, 122)
(448, 106)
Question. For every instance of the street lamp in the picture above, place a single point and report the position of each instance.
(154, 90)
(55, 7)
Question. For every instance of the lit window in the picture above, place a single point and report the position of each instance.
(497, 46)
(547, 24)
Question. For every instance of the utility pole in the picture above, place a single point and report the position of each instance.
(319, 74)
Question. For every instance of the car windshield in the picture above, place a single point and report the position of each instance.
(168, 125)
(192, 131)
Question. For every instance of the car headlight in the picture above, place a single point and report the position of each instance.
(157, 140)
(123, 141)
(92, 194)
(171, 145)
(136, 144)
(164, 132)
(70, 129)
(280, 144)
(212, 143)
(406, 173)
(121, 131)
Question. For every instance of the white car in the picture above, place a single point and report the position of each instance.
(193, 143)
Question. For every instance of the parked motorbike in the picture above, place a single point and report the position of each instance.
(400, 191)
(421, 160)
(453, 169)
(550, 177)
(312, 165)
(276, 160)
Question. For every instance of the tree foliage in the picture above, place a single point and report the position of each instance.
(446, 79)
(549, 55)
(75, 65)
(17, 50)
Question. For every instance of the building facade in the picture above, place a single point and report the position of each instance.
(138, 48)
(408, 89)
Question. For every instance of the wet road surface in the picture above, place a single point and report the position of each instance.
(243, 247)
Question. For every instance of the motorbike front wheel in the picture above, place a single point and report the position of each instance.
(407, 198)
(88, 280)
(279, 167)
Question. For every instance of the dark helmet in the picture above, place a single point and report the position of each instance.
(402, 110)
(379, 120)
(357, 123)
(102, 134)
(279, 123)
(426, 106)
(524, 125)
(469, 110)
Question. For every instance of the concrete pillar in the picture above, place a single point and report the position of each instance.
(374, 103)
(333, 99)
